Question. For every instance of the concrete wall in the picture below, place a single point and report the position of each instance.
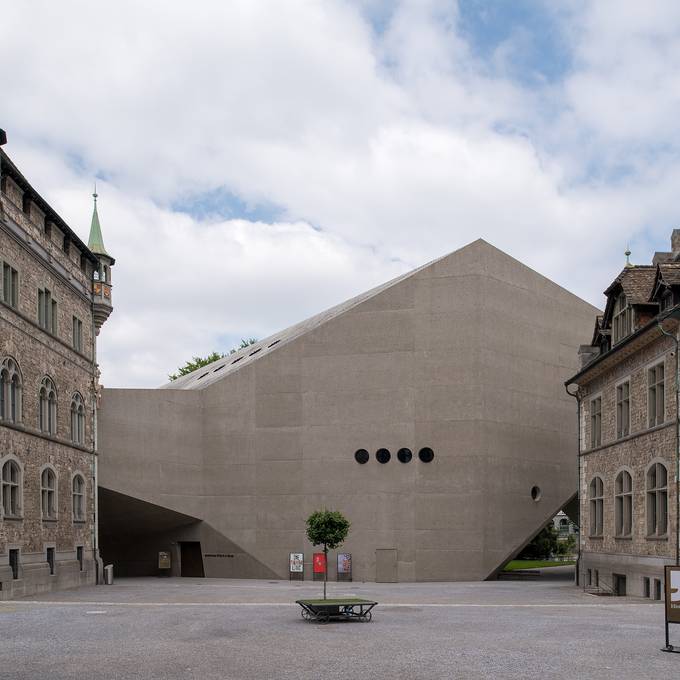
(466, 356)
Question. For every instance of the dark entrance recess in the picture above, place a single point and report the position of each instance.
(619, 584)
(191, 559)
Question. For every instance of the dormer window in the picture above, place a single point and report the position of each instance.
(622, 322)
(667, 300)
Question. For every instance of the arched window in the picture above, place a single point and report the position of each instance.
(78, 498)
(77, 419)
(657, 500)
(47, 415)
(596, 496)
(623, 508)
(48, 494)
(11, 489)
(10, 391)
(564, 526)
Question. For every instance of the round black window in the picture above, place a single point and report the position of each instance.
(382, 455)
(404, 455)
(361, 456)
(426, 454)
(536, 493)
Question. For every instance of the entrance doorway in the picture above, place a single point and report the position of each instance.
(191, 559)
(386, 565)
(619, 584)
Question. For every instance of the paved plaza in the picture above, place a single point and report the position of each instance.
(211, 628)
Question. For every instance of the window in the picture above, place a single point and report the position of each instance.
(623, 509)
(77, 334)
(596, 496)
(655, 395)
(597, 578)
(383, 456)
(50, 559)
(10, 391)
(622, 321)
(47, 311)
(48, 494)
(426, 455)
(78, 489)
(79, 556)
(404, 455)
(596, 422)
(657, 588)
(590, 577)
(646, 589)
(657, 500)
(47, 414)
(623, 409)
(564, 526)
(77, 419)
(10, 285)
(11, 487)
(361, 456)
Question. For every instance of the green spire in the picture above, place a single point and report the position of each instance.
(96, 242)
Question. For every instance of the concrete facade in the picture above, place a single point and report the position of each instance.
(39, 525)
(465, 356)
(616, 555)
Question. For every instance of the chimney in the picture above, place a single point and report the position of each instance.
(675, 241)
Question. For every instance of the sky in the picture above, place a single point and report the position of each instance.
(258, 161)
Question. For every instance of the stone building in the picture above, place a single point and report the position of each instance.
(55, 292)
(430, 411)
(626, 393)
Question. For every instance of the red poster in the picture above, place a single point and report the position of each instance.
(319, 562)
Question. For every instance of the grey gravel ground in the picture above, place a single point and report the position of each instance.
(204, 628)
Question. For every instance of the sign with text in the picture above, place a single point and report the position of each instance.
(319, 563)
(296, 563)
(164, 561)
(672, 594)
(344, 563)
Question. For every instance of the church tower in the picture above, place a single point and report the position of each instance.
(101, 283)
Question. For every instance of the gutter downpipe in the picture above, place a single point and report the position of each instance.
(578, 492)
(674, 337)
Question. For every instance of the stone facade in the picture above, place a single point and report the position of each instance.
(615, 559)
(45, 255)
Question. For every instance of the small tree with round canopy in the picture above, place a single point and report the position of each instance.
(328, 528)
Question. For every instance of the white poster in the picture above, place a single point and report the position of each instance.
(296, 562)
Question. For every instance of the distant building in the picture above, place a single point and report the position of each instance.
(564, 526)
(626, 391)
(430, 411)
(55, 292)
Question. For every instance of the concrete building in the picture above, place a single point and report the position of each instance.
(424, 410)
(626, 391)
(55, 293)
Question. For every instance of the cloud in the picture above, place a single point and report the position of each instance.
(356, 140)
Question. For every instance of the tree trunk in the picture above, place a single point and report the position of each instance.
(325, 569)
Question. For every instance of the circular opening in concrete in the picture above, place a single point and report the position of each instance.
(404, 455)
(536, 493)
(382, 455)
(426, 454)
(361, 456)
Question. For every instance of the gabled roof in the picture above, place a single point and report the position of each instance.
(667, 274)
(637, 283)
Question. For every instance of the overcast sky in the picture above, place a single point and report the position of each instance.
(259, 161)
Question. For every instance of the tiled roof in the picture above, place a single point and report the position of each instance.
(670, 273)
(637, 283)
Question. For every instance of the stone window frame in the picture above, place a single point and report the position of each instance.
(595, 441)
(15, 285)
(77, 418)
(49, 511)
(623, 428)
(77, 335)
(19, 514)
(654, 419)
(656, 499)
(48, 401)
(48, 311)
(78, 517)
(623, 503)
(10, 376)
(596, 507)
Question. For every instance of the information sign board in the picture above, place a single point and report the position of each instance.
(164, 560)
(319, 563)
(673, 594)
(296, 563)
(344, 563)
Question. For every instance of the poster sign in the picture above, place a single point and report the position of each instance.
(673, 594)
(164, 561)
(319, 563)
(344, 563)
(296, 563)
